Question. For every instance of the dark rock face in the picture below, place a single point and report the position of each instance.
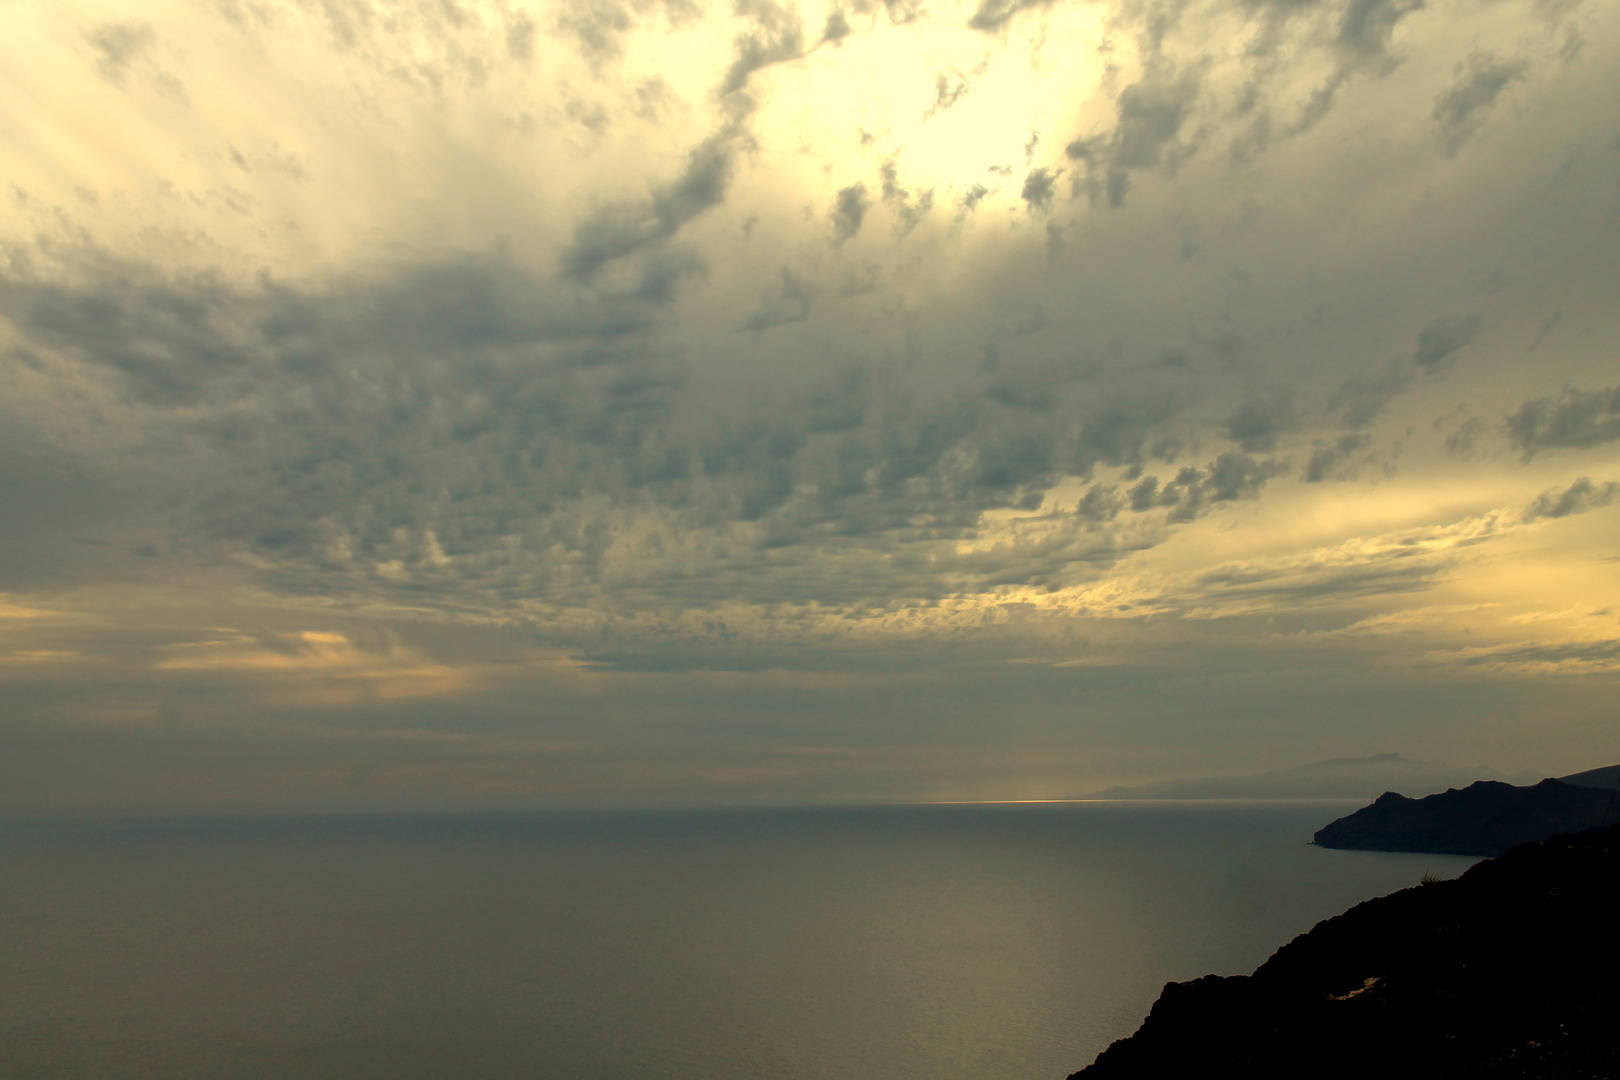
(1486, 818)
(1605, 778)
(1512, 970)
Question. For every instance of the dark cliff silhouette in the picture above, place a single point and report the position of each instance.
(1606, 778)
(1512, 970)
(1484, 818)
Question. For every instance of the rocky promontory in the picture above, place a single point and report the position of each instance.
(1512, 970)
(1484, 818)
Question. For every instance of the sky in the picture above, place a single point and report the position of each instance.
(428, 403)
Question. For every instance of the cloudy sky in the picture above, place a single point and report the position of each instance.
(439, 403)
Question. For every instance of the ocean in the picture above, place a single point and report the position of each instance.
(958, 942)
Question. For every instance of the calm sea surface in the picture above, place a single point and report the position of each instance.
(943, 942)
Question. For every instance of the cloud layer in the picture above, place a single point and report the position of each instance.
(769, 377)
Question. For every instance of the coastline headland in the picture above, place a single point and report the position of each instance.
(1508, 971)
(1484, 818)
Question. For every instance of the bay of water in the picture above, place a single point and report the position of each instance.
(1005, 942)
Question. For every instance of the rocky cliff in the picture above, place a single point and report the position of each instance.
(1512, 970)
(1484, 818)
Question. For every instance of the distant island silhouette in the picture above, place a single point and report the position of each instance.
(1508, 971)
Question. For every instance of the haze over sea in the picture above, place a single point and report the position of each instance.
(946, 941)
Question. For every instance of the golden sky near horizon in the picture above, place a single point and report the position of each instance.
(435, 403)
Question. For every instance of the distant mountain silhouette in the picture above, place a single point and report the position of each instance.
(1506, 972)
(1484, 818)
(1340, 778)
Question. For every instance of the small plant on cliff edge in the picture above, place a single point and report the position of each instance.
(1430, 878)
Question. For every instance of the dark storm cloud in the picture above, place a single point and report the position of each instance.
(1118, 430)
(1578, 498)
(995, 14)
(1258, 422)
(1101, 502)
(1575, 420)
(849, 211)
(164, 338)
(1326, 456)
(1145, 495)
(908, 212)
(1362, 396)
(471, 432)
(182, 340)
(1363, 36)
(1358, 38)
(1366, 27)
(836, 28)
(321, 397)
(971, 199)
(1461, 110)
(1150, 117)
(622, 229)
(1193, 491)
(776, 36)
(1441, 339)
(1230, 476)
(1039, 186)
(1012, 458)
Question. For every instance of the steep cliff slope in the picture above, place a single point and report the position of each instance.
(1512, 970)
